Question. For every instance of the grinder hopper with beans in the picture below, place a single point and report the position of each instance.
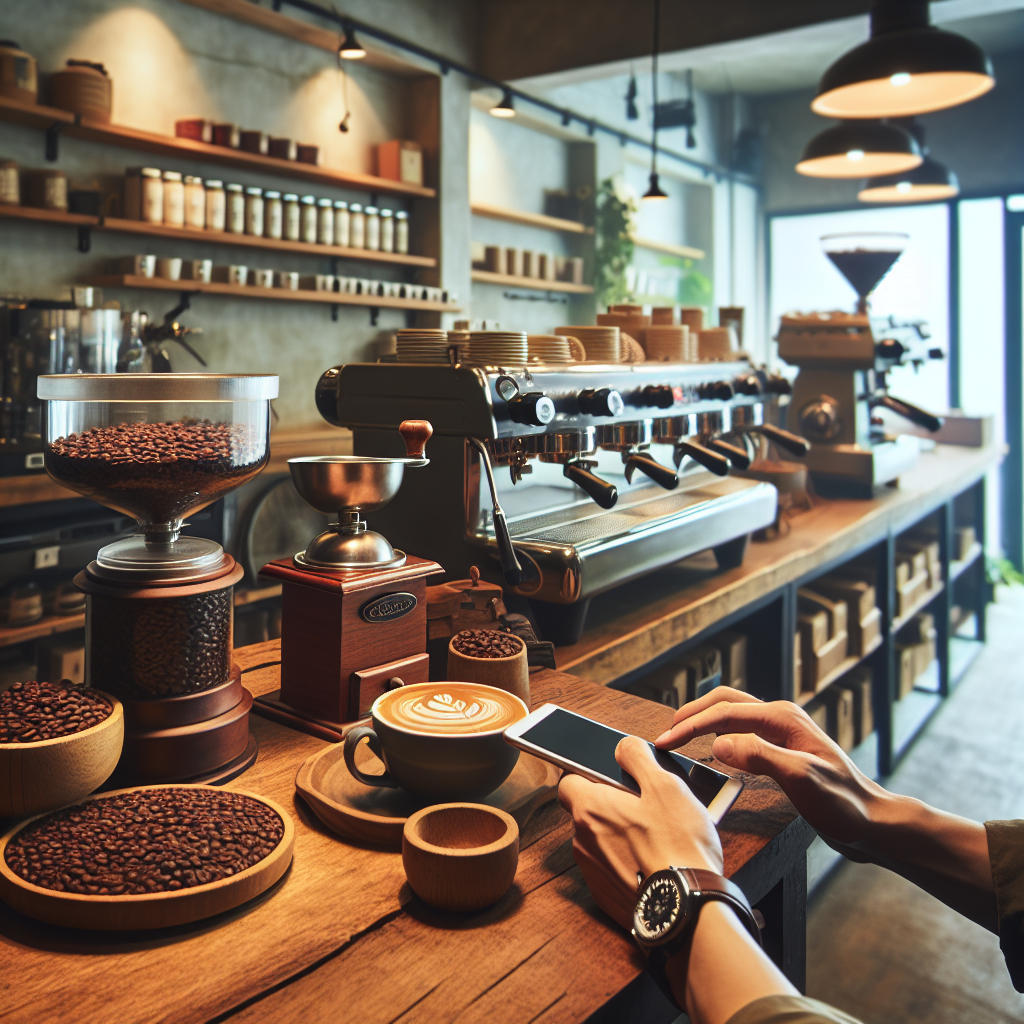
(354, 609)
(159, 603)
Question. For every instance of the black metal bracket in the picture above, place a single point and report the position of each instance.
(374, 313)
(334, 312)
(84, 237)
(52, 136)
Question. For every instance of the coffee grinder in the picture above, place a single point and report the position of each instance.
(159, 605)
(843, 371)
(354, 610)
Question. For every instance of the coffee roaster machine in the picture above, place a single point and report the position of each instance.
(565, 481)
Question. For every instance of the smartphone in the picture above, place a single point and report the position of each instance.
(587, 748)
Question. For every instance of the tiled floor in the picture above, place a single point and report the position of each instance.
(880, 948)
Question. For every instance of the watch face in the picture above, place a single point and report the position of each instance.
(659, 907)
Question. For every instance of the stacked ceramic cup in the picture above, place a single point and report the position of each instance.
(716, 344)
(602, 343)
(671, 343)
(497, 348)
(422, 346)
(548, 348)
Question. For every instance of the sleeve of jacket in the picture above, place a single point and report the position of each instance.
(790, 1010)
(1006, 854)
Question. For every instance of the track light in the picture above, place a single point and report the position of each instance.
(859, 149)
(505, 108)
(907, 67)
(350, 48)
(654, 190)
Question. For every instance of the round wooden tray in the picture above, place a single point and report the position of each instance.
(153, 910)
(377, 816)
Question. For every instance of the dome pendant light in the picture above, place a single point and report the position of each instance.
(859, 149)
(505, 108)
(932, 181)
(350, 48)
(654, 189)
(907, 67)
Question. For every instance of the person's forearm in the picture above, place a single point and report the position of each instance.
(725, 970)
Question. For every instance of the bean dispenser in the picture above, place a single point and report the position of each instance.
(159, 604)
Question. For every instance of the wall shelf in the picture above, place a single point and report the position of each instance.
(37, 116)
(46, 626)
(139, 227)
(959, 567)
(245, 291)
(510, 281)
(534, 220)
(686, 251)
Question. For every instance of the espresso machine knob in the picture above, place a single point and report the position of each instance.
(777, 385)
(721, 390)
(820, 419)
(600, 402)
(534, 409)
(748, 385)
(658, 395)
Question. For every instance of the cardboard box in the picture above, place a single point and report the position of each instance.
(905, 666)
(859, 595)
(930, 550)
(910, 593)
(813, 628)
(733, 647)
(400, 160)
(864, 634)
(858, 682)
(824, 660)
(904, 570)
(808, 601)
(838, 703)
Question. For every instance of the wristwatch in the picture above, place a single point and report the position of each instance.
(668, 904)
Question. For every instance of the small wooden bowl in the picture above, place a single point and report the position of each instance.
(37, 777)
(152, 910)
(460, 856)
(511, 674)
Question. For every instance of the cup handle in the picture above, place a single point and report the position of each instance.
(352, 740)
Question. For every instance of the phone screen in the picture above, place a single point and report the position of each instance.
(592, 745)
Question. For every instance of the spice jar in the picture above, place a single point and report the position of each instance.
(254, 211)
(341, 223)
(195, 202)
(292, 217)
(387, 231)
(144, 194)
(373, 228)
(309, 219)
(402, 232)
(235, 208)
(215, 204)
(272, 214)
(325, 222)
(10, 184)
(356, 227)
(174, 199)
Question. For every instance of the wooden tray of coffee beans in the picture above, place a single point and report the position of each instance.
(147, 857)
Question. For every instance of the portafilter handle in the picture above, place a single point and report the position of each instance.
(510, 567)
(736, 455)
(792, 443)
(604, 493)
(914, 413)
(416, 434)
(660, 474)
(717, 464)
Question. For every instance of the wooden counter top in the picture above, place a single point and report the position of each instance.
(341, 937)
(639, 621)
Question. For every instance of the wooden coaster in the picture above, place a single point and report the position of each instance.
(377, 816)
(153, 910)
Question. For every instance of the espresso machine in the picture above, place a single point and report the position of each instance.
(563, 481)
(844, 359)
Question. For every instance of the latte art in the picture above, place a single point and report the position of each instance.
(449, 708)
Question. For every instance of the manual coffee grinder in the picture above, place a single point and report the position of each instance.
(159, 604)
(354, 610)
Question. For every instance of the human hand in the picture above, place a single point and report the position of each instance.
(780, 740)
(619, 834)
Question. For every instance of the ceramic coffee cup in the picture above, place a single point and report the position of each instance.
(440, 741)
(169, 267)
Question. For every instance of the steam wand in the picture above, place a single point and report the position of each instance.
(510, 567)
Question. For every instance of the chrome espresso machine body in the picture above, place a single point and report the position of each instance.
(558, 480)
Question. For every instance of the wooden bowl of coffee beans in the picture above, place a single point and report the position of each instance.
(58, 742)
(491, 657)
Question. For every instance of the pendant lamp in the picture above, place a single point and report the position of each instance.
(907, 67)
(351, 48)
(654, 189)
(859, 149)
(930, 181)
(505, 108)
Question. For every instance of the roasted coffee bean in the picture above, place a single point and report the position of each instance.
(144, 841)
(486, 643)
(34, 711)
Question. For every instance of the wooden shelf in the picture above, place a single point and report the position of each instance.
(245, 291)
(46, 626)
(38, 116)
(838, 672)
(509, 280)
(686, 251)
(917, 606)
(534, 220)
(959, 567)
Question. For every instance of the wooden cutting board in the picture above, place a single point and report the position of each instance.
(377, 816)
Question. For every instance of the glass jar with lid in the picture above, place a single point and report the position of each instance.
(356, 226)
(325, 222)
(195, 202)
(372, 228)
(309, 219)
(402, 232)
(215, 204)
(387, 231)
(292, 217)
(174, 199)
(151, 201)
(236, 208)
(254, 211)
(341, 217)
(273, 214)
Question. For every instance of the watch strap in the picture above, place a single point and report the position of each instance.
(709, 885)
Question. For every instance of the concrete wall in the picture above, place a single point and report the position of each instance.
(170, 60)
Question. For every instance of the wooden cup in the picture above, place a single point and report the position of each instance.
(511, 674)
(460, 857)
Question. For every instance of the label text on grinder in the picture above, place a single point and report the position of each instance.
(388, 607)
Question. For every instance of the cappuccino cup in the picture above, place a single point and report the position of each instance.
(440, 742)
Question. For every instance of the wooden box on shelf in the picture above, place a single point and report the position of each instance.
(918, 546)
(809, 601)
(733, 647)
(908, 594)
(905, 662)
(858, 594)
(822, 649)
(839, 707)
(401, 160)
(858, 682)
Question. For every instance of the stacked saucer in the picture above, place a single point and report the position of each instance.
(671, 343)
(497, 348)
(548, 348)
(461, 340)
(602, 343)
(422, 345)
